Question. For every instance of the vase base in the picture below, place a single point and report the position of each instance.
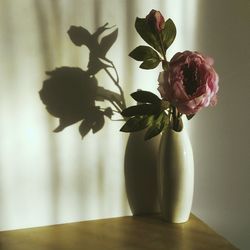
(175, 220)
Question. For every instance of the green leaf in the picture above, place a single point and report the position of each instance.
(145, 97)
(168, 33)
(142, 53)
(189, 117)
(150, 63)
(142, 109)
(165, 104)
(149, 35)
(157, 126)
(135, 124)
(166, 122)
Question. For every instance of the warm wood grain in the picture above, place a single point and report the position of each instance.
(124, 233)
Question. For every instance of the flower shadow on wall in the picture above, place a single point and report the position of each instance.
(70, 93)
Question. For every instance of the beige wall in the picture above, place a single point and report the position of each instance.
(48, 178)
(220, 136)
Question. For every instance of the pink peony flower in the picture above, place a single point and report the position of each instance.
(190, 83)
(156, 20)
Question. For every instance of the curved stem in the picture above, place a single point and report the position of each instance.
(174, 117)
(116, 82)
(177, 124)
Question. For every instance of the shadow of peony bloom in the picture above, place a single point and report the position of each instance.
(70, 93)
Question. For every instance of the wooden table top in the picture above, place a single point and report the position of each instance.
(123, 233)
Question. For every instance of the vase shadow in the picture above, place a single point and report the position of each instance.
(141, 174)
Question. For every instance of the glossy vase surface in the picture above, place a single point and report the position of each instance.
(176, 176)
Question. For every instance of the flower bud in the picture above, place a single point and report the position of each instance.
(156, 20)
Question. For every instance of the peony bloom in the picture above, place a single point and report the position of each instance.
(156, 20)
(190, 83)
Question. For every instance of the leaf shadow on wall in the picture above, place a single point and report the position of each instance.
(70, 93)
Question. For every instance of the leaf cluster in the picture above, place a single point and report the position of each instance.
(149, 113)
(159, 42)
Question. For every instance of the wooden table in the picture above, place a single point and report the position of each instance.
(124, 233)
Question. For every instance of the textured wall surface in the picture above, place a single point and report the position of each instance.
(48, 178)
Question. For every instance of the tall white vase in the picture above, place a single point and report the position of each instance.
(140, 169)
(176, 176)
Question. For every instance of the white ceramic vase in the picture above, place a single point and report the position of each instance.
(140, 169)
(176, 176)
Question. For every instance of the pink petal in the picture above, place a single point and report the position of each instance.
(179, 92)
(214, 100)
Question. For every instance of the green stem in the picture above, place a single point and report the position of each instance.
(175, 118)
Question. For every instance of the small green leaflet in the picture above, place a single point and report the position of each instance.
(189, 117)
(136, 123)
(142, 53)
(141, 109)
(150, 63)
(145, 97)
(150, 57)
(168, 33)
(159, 123)
(147, 34)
